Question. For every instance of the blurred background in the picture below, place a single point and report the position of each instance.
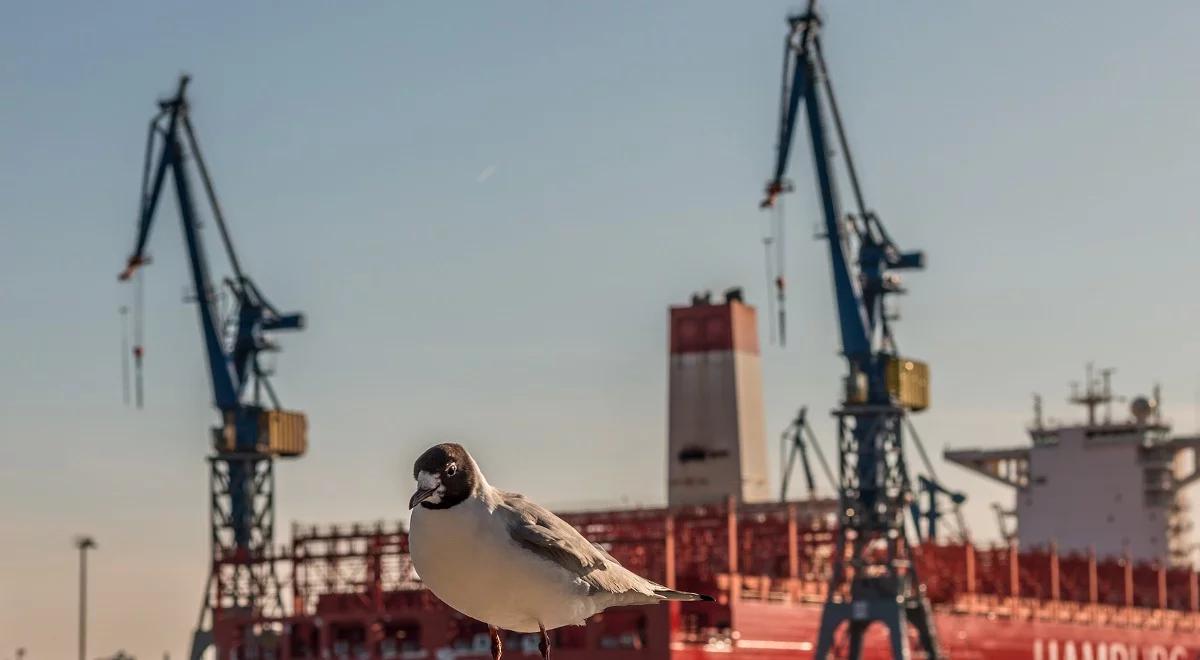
(484, 210)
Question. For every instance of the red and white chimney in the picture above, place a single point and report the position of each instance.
(716, 440)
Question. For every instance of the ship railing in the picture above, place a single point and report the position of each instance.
(1036, 609)
(771, 589)
(765, 588)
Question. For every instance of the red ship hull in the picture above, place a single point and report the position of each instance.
(772, 631)
(777, 630)
(353, 594)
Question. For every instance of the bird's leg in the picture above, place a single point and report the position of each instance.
(544, 645)
(496, 646)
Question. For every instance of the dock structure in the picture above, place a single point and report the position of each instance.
(352, 593)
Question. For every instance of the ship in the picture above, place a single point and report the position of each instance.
(350, 591)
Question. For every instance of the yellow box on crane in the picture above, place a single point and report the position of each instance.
(908, 382)
(285, 432)
(280, 433)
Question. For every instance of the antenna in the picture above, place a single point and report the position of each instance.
(1106, 393)
(1095, 392)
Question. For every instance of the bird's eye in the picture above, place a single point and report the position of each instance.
(451, 470)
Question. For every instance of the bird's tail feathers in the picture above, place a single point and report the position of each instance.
(671, 594)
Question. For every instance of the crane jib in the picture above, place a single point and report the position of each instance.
(232, 350)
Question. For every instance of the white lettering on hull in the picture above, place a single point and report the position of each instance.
(1049, 649)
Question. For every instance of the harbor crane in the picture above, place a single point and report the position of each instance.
(796, 441)
(252, 429)
(874, 578)
(932, 513)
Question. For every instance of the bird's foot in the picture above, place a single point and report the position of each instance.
(497, 648)
(544, 645)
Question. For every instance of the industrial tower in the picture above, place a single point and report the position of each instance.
(716, 443)
(874, 578)
(250, 431)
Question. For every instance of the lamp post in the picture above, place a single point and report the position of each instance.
(84, 543)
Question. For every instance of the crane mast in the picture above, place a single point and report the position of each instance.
(874, 578)
(252, 430)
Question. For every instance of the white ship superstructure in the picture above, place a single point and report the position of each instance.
(1113, 487)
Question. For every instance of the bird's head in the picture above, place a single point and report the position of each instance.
(446, 475)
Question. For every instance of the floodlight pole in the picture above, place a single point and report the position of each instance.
(84, 543)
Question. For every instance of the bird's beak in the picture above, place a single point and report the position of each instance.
(421, 495)
(427, 486)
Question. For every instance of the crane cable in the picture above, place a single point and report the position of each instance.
(774, 233)
(211, 192)
(769, 260)
(841, 130)
(774, 256)
(123, 310)
(139, 324)
(139, 290)
(780, 280)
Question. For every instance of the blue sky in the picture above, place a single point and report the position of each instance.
(1040, 155)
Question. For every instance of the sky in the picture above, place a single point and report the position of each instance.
(485, 210)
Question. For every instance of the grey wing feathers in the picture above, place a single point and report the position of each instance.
(550, 537)
(547, 535)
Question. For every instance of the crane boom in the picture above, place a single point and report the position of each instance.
(230, 371)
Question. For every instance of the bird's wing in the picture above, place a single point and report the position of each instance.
(545, 534)
(550, 537)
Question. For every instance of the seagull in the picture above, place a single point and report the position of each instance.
(499, 558)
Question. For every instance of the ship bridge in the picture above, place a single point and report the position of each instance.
(1118, 488)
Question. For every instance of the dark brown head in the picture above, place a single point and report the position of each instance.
(446, 475)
